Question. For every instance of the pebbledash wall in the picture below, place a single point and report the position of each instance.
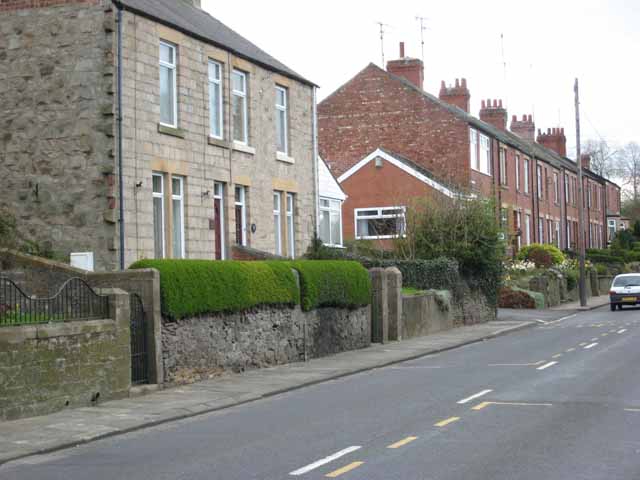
(202, 347)
(58, 136)
(49, 367)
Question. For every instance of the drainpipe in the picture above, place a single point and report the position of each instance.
(316, 174)
(119, 126)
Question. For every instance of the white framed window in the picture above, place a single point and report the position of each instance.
(550, 232)
(556, 188)
(589, 194)
(277, 221)
(282, 133)
(158, 215)
(558, 239)
(380, 223)
(568, 234)
(540, 229)
(239, 107)
(566, 189)
(612, 228)
(526, 170)
(519, 228)
(291, 226)
(518, 172)
(485, 155)
(539, 180)
(168, 89)
(177, 207)
(503, 166)
(527, 229)
(216, 113)
(473, 148)
(219, 230)
(241, 214)
(331, 222)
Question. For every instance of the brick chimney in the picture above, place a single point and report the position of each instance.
(586, 160)
(494, 113)
(524, 128)
(457, 94)
(554, 140)
(410, 68)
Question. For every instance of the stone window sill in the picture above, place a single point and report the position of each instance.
(172, 131)
(218, 142)
(241, 147)
(283, 157)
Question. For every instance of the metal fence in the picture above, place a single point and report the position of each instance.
(75, 300)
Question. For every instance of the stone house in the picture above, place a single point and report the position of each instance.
(146, 128)
(531, 179)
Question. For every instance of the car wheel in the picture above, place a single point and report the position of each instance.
(613, 307)
(619, 306)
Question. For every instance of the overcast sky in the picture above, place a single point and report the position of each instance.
(547, 44)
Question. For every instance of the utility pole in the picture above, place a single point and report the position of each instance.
(581, 239)
(423, 28)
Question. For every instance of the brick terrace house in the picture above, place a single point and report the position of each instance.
(381, 127)
(215, 144)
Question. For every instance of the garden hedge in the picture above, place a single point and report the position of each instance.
(332, 283)
(539, 253)
(195, 287)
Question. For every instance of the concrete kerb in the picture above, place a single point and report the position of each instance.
(383, 364)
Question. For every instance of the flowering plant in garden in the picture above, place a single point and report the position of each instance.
(520, 266)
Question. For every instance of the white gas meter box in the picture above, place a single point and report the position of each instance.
(82, 260)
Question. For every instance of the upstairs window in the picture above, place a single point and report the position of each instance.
(518, 172)
(527, 182)
(239, 107)
(380, 223)
(281, 120)
(566, 188)
(215, 100)
(168, 96)
(556, 188)
(485, 155)
(473, 147)
(503, 166)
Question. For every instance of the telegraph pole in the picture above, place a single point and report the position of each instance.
(581, 235)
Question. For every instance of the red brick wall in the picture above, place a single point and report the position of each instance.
(11, 5)
(386, 186)
(613, 199)
(376, 109)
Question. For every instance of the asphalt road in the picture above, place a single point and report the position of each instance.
(559, 401)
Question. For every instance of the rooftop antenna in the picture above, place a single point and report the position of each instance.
(382, 32)
(423, 28)
(504, 69)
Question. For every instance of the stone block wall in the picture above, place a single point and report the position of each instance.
(198, 348)
(426, 313)
(56, 124)
(49, 367)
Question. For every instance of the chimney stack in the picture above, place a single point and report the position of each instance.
(524, 128)
(409, 68)
(586, 160)
(457, 94)
(494, 113)
(554, 140)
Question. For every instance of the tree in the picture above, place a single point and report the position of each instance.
(628, 170)
(603, 157)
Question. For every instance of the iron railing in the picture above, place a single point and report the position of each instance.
(75, 300)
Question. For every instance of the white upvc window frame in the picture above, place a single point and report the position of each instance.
(549, 231)
(484, 155)
(519, 228)
(567, 188)
(541, 230)
(277, 221)
(473, 149)
(517, 173)
(178, 198)
(503, 166)
(283, 108)
(556, 187)
(218, 194)
(242, 203)
(216, 83)
(333, 208)
(539, 190)
(526, 167)
(290, 206)
(527, 228)
(160, 196)
(612, 224)
(243, 95)
(558, 239)
(174, 72)
(380, 216)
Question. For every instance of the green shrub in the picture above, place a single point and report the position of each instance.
(332, 283)
(195, 287)
(543, 253)
(601, 269)
(572, 279)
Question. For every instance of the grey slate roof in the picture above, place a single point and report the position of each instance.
(183, 16)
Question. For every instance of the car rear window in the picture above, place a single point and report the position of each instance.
(627, 281)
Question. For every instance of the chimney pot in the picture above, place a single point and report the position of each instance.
(401, 49)
(484, 105)
(514, 118)
(464, 83)
(457, 83)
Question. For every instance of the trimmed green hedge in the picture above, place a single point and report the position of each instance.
(332, 283)
(533, 252)
(195, 287)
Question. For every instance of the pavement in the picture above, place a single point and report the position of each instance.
(560, 400)
(78, 426)
(592, 303)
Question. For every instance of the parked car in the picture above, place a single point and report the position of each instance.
(625, 290)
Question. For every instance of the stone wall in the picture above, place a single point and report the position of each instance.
(202, 347)
(49, 367)
(426, 313)
(56, 124)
